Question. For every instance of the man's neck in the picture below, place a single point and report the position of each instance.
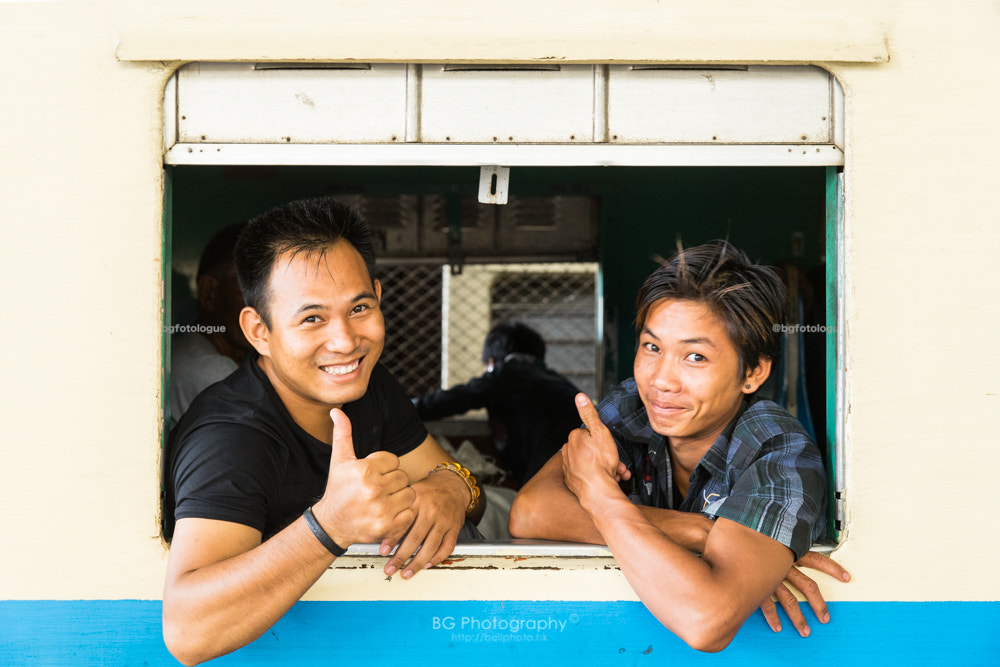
(312, 418)
(686, 453)
(684, 458)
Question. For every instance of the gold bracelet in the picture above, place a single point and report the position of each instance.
(467, 477)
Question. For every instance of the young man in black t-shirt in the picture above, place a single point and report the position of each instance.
(263, 503)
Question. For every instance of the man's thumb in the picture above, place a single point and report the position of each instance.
(588, 413)
(343, 442)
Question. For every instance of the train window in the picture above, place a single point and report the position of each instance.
(581, 228)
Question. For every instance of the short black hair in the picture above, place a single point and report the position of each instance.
(749, 298)
(302, 226)
(509, 337)
(217, 257)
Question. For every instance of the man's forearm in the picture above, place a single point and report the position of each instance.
(702, 600)
(218, 608)
(552, 514)
(688, 529)
(547, 509)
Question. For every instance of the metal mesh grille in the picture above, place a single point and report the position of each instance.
(562, 308)
(557, 300)
(436, 322)
(411, 305)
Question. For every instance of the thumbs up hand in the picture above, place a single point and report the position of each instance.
(590, 457)
(343, 438)
(365, 499)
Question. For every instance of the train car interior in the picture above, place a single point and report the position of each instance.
(565, 255)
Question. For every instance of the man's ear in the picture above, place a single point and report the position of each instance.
(378, 290)
(757, 376)
(256, 332)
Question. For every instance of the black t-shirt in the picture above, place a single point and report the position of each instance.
(238, 456)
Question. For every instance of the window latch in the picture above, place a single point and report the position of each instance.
(493, 183)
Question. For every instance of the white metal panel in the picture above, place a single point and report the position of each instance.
(532, 155)
(170, 113)
(242, 103)
(238, 103)
(468, 105)
(752, 105)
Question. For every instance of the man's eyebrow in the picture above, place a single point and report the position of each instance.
(368, 294)
(703, 340)
(700, 340)
(361, 296)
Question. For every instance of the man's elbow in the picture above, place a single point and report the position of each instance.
(708, 640)
(707, 633)
(185, 645)
(524, 517)
(174, 640)
(184, 658)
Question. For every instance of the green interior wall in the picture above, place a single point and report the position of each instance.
(643, 213)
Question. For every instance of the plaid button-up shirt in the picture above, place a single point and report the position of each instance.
(763, 472)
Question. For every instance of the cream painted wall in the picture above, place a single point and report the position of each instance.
(80, 211)
(922, 315)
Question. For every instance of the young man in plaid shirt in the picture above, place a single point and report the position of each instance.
(706, 494)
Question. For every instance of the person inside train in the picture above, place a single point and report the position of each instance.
(705, 494)
(215, 346)
(309, 447)
(530, 406)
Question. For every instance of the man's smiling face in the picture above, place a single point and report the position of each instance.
(326, 331)
(686, 370)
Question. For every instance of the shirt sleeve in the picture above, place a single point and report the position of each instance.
(781, 494)
(225, 472)
(457, 400)
(401, 428)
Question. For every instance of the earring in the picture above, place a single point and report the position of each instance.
(747, 386)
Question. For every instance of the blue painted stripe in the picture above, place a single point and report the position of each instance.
(127, 632)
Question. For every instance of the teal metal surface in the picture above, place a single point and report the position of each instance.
(484, 633)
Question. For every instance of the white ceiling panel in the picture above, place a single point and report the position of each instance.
(747, 105)
(241, 103)
(501, 105)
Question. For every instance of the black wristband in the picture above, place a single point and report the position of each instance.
(321, 535)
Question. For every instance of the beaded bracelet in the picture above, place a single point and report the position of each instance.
(466, 476)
